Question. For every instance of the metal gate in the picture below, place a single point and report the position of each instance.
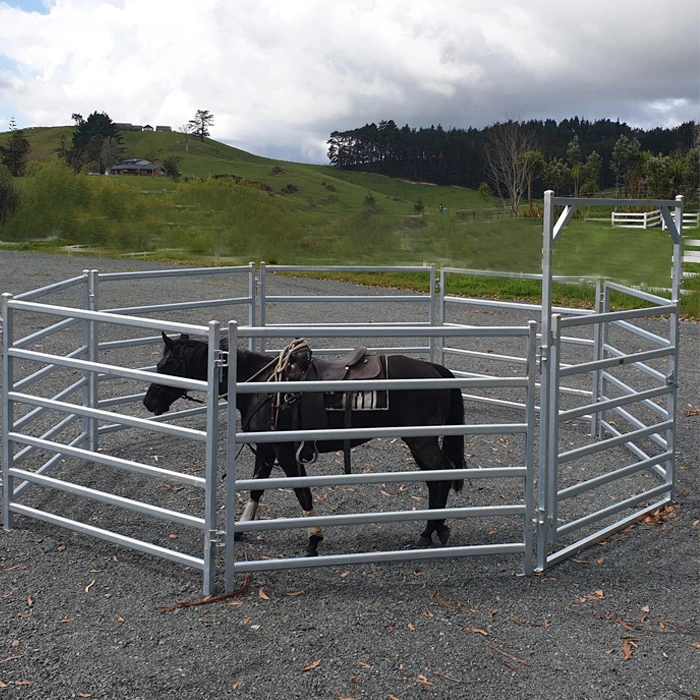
(518, 504)
(594, 487)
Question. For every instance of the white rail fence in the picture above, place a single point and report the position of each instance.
(650, 219)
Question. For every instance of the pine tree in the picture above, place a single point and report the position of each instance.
(13, 154)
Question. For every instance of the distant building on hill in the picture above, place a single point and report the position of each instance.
(125, 126)
(137, 166)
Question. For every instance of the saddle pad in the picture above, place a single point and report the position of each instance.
(361, 400)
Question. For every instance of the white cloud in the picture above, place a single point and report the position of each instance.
(280, 75)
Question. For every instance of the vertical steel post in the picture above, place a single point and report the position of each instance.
(252, 308)
(544, 520)
(604, 341)
(674, 337)
(91, 340)
(552, 428)
(442, 312)
(677, 281)
(231, 491)
(531, 369)
(263, 304)
(432, 315)
(212, 402)
(8, 411)
(674, 369)
(597, 355)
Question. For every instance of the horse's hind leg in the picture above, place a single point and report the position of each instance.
(291, 467)
(264, 461)
(427, 454)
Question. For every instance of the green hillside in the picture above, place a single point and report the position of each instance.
(233, 206)
(309, 183)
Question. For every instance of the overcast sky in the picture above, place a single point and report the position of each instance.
(280, 75)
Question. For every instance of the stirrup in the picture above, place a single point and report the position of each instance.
(299, 458)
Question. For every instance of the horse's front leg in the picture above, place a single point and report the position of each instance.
(264, 461)
(288, 462)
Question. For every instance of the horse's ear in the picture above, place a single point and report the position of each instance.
(169, 342)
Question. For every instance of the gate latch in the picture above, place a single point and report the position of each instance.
(221, 361)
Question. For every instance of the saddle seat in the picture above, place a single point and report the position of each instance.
(356, 365)
(311, 410)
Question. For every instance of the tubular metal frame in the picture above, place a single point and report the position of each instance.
(96, 421)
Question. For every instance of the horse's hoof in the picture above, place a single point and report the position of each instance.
(423, 541)
(444, 535)
(312, 546)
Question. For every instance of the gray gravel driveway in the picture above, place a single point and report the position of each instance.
(79, 617)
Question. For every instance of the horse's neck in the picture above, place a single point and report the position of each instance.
(249, 364)
(198, 361)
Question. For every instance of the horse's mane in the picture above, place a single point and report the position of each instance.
(250, 362)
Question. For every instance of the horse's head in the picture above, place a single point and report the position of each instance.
(159, 397)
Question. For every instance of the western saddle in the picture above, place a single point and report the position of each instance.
(309, 411)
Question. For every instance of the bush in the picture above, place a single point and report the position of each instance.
(10, 196)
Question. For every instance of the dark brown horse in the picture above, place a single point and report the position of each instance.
(184, 357)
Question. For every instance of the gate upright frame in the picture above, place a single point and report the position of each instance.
(551, 325)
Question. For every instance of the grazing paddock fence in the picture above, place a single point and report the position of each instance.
(650, 219)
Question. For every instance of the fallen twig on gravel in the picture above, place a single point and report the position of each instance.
(211, 599)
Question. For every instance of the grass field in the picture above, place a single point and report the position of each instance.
(233, 206)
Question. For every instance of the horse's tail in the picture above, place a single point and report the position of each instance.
(453, 445)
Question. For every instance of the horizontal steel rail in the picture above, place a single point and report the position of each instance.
(105, 316)
(613, 509)
(45, 333)
(608, 316)
(378, 517)
(108, 460)
(47, 466)
(603, 534)
(148, 377)
(622, 359)
(178, 272)
(638, 293)
(612, 442)
(628, 390)
(612, 476)
(123, 420)
(51, 288)
(641, 366)
(368, 433)
(287, 482)
(372, 557)
(110, 499)
(643, 333)
(46, 371)
(109, 536)
(29, 417)
(179, 306)
(606, 404)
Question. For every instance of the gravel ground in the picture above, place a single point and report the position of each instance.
(80, 616)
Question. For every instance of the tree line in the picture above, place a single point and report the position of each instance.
(573, 157)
